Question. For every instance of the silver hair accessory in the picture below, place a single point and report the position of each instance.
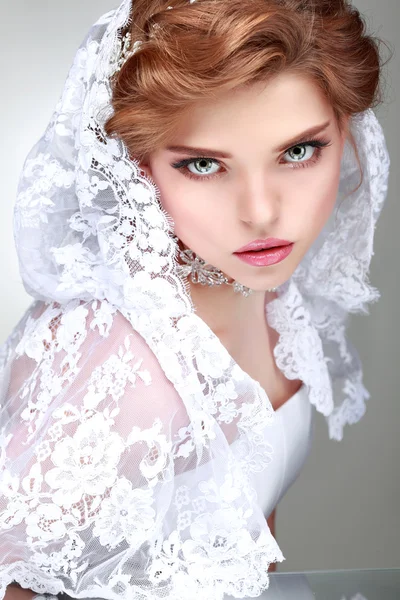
(123, 49)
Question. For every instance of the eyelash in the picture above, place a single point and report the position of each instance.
(317, 143)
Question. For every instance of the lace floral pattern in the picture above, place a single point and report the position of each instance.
(111, 385)
(86, 480)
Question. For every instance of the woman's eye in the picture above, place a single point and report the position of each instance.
(202, 166)
(300, 153)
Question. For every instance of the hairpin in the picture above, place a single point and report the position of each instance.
(123, 50)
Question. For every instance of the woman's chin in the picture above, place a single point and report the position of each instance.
(261, 279)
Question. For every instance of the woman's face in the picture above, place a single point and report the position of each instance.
(258, 177)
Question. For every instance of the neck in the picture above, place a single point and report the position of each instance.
(229, 314)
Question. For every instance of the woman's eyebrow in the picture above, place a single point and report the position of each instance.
(220, 154)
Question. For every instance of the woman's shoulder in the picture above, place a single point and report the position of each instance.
(92, 347)
(71, 327)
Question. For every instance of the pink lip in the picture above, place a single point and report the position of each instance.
(267, 257)
(263, 244)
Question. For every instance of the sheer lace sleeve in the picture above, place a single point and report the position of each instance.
(95, 460)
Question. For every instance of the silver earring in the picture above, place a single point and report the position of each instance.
(205, 274)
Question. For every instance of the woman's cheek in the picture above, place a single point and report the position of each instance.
(185, 220)
(326, 194)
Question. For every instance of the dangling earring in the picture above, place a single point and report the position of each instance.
(200, 272)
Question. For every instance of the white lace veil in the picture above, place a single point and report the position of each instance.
(119, 477)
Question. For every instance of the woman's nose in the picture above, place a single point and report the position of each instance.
(259, 204)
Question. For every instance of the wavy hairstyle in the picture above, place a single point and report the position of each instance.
(198, 50)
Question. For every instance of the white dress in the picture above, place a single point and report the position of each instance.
(291, 437)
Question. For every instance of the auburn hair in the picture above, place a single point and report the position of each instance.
(200, 49)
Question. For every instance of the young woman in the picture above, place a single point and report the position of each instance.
(194, 226)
